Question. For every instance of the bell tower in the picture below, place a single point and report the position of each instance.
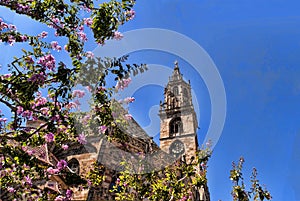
(178, 120)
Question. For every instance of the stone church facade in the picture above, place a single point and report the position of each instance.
(178, 136)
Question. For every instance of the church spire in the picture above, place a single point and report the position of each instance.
(176, 73)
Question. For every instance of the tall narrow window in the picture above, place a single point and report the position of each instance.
(185, 92)
(185, 97)
(175, 127)
(175, 90)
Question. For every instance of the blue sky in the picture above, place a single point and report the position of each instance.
(255, 46)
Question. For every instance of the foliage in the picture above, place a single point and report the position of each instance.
(180, 181)
(239, 192)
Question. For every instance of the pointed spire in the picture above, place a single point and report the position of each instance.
(176, 65)
(176, 73)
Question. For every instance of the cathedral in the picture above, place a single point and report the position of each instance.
(178, 136)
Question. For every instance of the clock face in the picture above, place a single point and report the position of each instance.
(177, 148)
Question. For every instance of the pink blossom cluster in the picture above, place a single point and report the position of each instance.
(11, 189)
(129, 99)
(86, 118)
(64, 146)
(69, 193)
(47, 61)
(130, 14)
(71, 105)
(88, 21)
(11, 40)
(81, 139)
(49, 137)
(55, 46)
(5, 76)
(118, 35)
(122, 84)
(89, 54)
(45, 111)
(44, 34)
(102, 129)
(3, 25)
(26, 114)
(52, 170)
(82, 36)
(39, 101)
(3, 120)
(22, 7)
(62, 164)
(80, 28)
(28, 151)
(27, 180)
(78, 93)
(38, 78)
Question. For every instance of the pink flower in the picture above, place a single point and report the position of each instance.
(45, 111)
(49, 137)
(80, 28)
(71, 105)
(82, 36)
(51, 170)
(129, 99)
(78, 93)
(89, 54)
(11, 40)
(40, 101)
(89, 183)
(11, 189)
(88, 21)
(130, 14)
(122, 84)
(55, 118)
(5, 76)
(102, 129)
(24, 38)
(88, 88)
(64, 147)
(55, 46)
(3, 120)
(38, 78)
(12, 27)
(118, 35)
(69, 193)
(86, 118)
(81, 139)
(28, 180)
(30, 152)
(19, 110)
(62, 164)
(47, 61)
(44, 34)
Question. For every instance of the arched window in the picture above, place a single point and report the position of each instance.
(175, 126)
(73, 164)
(175, 90)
